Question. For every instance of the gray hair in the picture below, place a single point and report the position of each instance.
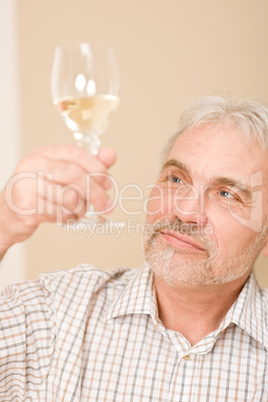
(248, 115)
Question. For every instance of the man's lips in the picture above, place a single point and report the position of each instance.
(179, 240)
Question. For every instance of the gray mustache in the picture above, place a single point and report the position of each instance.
(176, 225)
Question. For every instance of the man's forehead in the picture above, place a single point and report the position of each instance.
(209, 137)
(223, 144)
(211, 153)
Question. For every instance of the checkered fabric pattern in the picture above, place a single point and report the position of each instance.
(91, 335)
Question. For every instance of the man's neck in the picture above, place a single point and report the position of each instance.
(195, 311)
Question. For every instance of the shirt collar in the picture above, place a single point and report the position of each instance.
(248, 312)
(138, 297)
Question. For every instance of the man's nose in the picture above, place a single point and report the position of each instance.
(190, 208)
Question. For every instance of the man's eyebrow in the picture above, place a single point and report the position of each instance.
(226, 181)
(176, 164)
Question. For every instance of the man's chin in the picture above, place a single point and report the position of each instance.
(180, 267)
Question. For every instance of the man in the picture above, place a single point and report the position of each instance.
(191, 325)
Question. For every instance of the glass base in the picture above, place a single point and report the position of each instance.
(93, 219)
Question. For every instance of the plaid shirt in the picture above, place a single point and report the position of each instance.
(90, 335)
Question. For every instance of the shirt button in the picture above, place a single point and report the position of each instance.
(186, 357)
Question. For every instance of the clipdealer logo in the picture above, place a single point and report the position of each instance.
(51, 200)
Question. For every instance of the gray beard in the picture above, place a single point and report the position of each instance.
(175, 266)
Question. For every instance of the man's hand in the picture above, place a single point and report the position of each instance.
(53, 184)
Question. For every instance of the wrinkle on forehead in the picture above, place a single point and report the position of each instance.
(226, 148)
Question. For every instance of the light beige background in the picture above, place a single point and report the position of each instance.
(12, 267)
(169, 53)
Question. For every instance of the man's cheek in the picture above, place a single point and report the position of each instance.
(156, 204)
(248, 218)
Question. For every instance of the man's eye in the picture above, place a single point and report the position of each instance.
(225, 194)
(176, 179)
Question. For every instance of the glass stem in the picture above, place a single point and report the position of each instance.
(90, 142)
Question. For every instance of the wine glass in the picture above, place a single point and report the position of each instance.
(85, 90)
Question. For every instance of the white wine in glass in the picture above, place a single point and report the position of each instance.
(85, 90)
